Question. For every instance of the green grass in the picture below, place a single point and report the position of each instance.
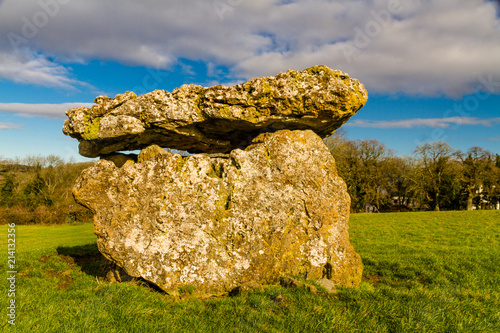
(424, 272)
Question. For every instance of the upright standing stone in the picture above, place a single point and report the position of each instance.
(276, 208)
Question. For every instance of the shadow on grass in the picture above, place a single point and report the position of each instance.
(87, 257)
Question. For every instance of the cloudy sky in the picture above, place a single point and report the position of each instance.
(431, 67)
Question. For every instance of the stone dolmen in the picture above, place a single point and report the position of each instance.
(257, 199)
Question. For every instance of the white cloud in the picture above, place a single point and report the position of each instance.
(36, 69)
(4, 125)
(420, 47)
(56, 111)
(424, 122)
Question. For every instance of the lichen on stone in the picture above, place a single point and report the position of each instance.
(261, 199)
(276, 208)
(218, 119)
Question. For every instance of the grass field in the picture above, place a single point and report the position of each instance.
(423, 272)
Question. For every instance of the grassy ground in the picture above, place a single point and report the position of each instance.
(424, 272)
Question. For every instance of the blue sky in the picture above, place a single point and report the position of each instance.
(431, 68)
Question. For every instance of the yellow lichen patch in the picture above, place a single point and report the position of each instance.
(215, 171)
(267, 92)
(180, 163)
(225, 110)
(91, 128)
(318, 69)
(317, 98)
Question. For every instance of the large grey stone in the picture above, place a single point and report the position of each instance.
(277, 208)
(217, 119)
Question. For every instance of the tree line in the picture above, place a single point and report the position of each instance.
(435, 177)
(37, 190)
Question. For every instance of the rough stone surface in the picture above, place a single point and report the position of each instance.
(113, 273)
(217, 119)
(292, 283)
(277, 208)
(328, 285)
(120, 159)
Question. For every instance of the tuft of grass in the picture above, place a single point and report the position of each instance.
(424, 272)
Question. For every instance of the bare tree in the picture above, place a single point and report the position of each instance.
(477, 165)
(435, 166)
(364, 167)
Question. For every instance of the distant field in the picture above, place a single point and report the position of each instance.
(424, 272)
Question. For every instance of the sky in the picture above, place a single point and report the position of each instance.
(431, 67)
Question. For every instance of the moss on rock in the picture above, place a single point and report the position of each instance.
(218, 119)
(275, 209)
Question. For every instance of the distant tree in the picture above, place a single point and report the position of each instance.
(41, 191)
(33, 161)
(477, 165)
(53, 161)
(377, 171)
(7, 191)
(365, 168)
(33, 192)
(400, 175)
(491, 183)
(437, 177)
(494, 195)
(436, 172)
(348, 164)
(336, 140)
(54, 173)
